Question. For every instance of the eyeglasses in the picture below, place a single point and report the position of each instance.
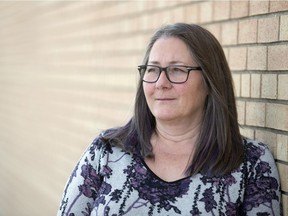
(175, 73)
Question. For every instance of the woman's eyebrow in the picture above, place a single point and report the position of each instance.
(154, 62)
(170, 63)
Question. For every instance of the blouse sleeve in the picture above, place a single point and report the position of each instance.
(262, 194)
(84, 183)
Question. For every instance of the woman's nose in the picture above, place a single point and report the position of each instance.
(163, 81)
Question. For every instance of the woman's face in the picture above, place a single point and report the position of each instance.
(170, 102)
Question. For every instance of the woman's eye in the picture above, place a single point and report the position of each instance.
(177, 69)
(151, 70)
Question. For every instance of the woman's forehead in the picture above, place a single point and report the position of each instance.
(170, 49)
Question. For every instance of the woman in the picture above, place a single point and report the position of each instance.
(182, 152)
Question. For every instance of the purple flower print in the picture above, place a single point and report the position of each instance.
(92, 181)
(229, 180)
(263, 167)
(262, 214)
(231, 208)
(100, 189)
(88, 209)
(260, 191)
(107, 171)
(116, 195)
(208, 199)
(153, 189)
(100, 200)
(195, 212)
(105, 188)
(254, 152)
(96, 146)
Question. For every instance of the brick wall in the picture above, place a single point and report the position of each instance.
(68, 70)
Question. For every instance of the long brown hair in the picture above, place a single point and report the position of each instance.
(219, 148)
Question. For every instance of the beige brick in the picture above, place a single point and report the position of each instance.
(257, 57)
(245, 85)
(276, 116)
(155, 4)
(282, 147)
(285, 204)
(247, 132)
(269, 138)
(255, 113)
(237, 58)
(221, 10)
(255, 85)
(248, 31)
(229, 33)
(277, 57)
(205, 12)
(178, 14)
(268, 29)
(278, 5)
(258, 7)
(241, 111)
(164, 17)
(226, 52)
(215, 29)
(237, 83)
(239, 8)
(284, 27)
(192, 13)
(283, 172)
(283, 86)
(269, 86)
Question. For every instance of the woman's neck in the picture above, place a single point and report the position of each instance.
(173, 145)
(177, 133)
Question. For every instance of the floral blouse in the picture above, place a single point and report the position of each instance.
(109, 181)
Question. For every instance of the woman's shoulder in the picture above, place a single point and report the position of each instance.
(256, 150)
(107, 142)
(101, 143)
(254, 143)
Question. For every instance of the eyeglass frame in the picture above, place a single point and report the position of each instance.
(189, 69)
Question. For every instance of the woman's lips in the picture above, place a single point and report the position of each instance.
(164, 99)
